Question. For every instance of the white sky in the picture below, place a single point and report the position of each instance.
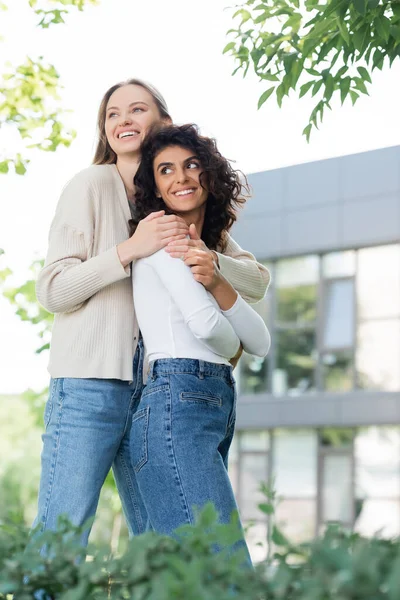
(177, 46)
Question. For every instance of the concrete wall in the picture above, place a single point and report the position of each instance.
(345, 202)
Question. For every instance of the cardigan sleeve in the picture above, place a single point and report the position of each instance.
(70, 276)
(249, 278)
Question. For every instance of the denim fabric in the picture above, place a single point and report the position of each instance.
(87, 431)
(181, 434)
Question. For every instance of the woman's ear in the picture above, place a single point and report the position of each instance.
(166, 121)
(158, 195)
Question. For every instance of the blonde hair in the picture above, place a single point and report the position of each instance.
(104, 154)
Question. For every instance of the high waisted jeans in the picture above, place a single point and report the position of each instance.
(88, 431)
(181, 434)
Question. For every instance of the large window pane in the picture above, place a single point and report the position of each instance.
(337, 488)
(253, 374)
(257, 441)
(254, 471)
(297, 271)
(295, 463)
(378, 282)
(297, 518)
(256, 538)
(339, 314)
(377, 454)
(339, 264)
(297, 304)
(378, 355)
(337, 371)
(295, 362)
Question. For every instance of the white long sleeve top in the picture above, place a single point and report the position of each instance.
(178, 318)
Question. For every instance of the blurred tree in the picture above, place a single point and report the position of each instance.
(30, 101)
(320, 48)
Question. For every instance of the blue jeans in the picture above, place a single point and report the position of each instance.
(87, 431)
(181, 434)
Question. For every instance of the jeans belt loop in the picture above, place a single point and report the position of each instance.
(201, 369)
(151, 371)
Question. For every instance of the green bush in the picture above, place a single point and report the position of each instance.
(339, 565)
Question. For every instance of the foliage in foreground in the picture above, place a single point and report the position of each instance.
(338, 566)
(320, 48)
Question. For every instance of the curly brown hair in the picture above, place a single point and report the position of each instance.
(225, 189)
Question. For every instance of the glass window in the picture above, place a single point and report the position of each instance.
(339, 314)
(337, 371)
(295, 362)
(336, 437)
(295, 462)
(377, 453)
(254, 471)
(339, 264)
(337, 488)
(296, 518)
(256, 538)
(297, 304)
(253, 374)
(378, 355)
(254, 441)
(297, 271)
(378, 282)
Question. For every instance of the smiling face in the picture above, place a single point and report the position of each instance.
(131, 110)
(177, 173)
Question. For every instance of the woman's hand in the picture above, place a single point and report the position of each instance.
(152, 233)
(235, 359)
(202, 261)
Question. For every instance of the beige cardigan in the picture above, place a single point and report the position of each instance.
(95, 329)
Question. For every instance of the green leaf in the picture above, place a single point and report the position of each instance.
(354, 96)
(360, 6)
(278, 538)
(344, 88)
(228, 47)
(4, 167)
(329, 87)
(269, 76)
(382, 25)
(317, 87)
(267, 509)
(360, 85)
(364, 74)
(264, 97)
(344, 32)
(304, 88)
(280, 92)
(372, 4)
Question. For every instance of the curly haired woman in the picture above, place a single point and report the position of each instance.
(183, 428)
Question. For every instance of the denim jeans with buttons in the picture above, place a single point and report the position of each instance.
(87, 432)
(180, 439)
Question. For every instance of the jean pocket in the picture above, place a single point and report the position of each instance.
(140, 426)
(201, 398)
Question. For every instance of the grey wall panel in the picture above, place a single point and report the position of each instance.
(267, 192)
(261, 236)
(370, 173)
(370, 221)
(311, 229)
(339, 410)
(312, 184)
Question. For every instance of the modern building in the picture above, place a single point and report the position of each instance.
(319, 418)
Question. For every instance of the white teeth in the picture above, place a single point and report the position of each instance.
(184, 192)
(127, 134)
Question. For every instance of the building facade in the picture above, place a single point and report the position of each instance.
(319, 418)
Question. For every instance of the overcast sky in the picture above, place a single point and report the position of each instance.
(177, 46)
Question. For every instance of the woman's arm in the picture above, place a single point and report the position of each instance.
(248, 325)
(202, 316)
(244, 273)
(70, 276)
